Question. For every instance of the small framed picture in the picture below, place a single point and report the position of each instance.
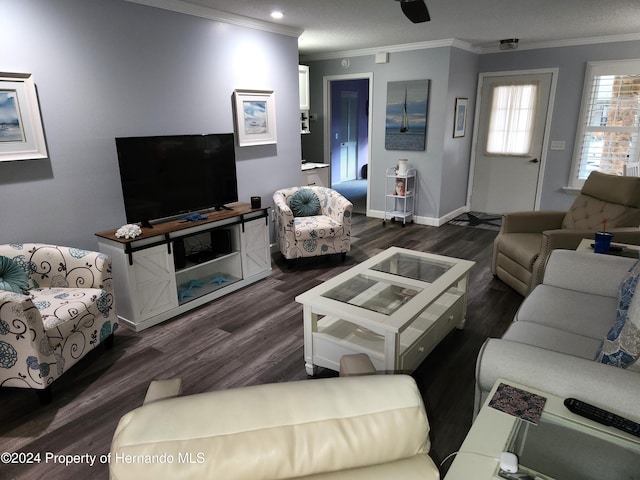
(255, 115)
(21, 131)
(460, 117)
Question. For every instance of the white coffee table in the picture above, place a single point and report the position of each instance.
(395, 307)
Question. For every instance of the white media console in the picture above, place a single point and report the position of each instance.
(177, 266)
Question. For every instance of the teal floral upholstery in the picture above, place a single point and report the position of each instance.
(326, 233)
(67, 311)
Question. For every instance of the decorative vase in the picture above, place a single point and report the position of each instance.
(402, 166)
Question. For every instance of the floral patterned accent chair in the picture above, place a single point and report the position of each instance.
(312, 221)
(56, 305)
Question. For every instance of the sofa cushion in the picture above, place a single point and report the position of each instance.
(13, 277)
(58, 306)
(304, 203)
(587, 213)
(605, 196)
(315, 227)
(570, 311)
(613, 188)
(550, 338)
(621, 346)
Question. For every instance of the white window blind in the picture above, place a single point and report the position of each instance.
(610, 121)
(512, 117)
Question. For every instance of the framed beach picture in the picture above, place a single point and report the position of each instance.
(406, 121)
(21, 132)
(255, 113)
(460, 117)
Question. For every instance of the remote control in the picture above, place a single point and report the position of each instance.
(602, 416)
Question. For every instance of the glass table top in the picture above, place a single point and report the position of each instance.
(557, 448)
(372, 294)
(384, 296)
(410, 266)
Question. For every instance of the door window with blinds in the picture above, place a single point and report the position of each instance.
(607, 136)
(512, 118)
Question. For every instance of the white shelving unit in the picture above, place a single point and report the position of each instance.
(400, 196)
(153, 282)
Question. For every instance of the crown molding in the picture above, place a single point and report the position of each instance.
(449, 42)
(453, 42)
(179, 6)
(574, 42)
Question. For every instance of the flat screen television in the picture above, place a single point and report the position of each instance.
(164, 177)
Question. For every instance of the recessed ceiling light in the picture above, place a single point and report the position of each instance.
(277, 15)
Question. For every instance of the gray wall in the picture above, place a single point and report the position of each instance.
(443, 168)
(571, 63)
(463, 73)
(436, 65)
(109, 68)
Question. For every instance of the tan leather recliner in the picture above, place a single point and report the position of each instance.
(522, 248)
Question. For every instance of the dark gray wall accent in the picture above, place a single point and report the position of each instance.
(109, 68)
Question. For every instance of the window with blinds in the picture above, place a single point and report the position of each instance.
(512, 118)
(610, 121)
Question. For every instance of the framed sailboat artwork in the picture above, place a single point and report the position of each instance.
(406, 120)
(21, 130)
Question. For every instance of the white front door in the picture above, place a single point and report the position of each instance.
(513, 112)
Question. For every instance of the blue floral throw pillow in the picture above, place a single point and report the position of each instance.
(304, 203)
(621, 346)
(13, 278)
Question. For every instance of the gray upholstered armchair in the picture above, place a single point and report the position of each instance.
(522, 248)
(61, 309)
(323, 232)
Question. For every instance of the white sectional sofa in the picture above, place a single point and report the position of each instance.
(555, 341)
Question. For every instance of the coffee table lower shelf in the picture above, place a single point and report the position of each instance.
(336, 337)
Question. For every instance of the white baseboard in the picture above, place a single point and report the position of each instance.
(430, 221)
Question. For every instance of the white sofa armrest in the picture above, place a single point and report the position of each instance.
(281, 431)
(612, 388)
(586, 271)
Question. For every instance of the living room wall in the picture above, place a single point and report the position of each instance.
(110, 68)
(442, 168)
(571, 62)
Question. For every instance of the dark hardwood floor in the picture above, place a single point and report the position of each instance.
(249, 337)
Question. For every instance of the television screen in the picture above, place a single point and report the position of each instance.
(167, 176)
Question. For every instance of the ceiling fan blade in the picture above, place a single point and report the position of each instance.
(415, 10)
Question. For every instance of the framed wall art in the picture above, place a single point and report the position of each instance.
(460, 117)
(21, 132)
(406, 121)
(255, 113)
